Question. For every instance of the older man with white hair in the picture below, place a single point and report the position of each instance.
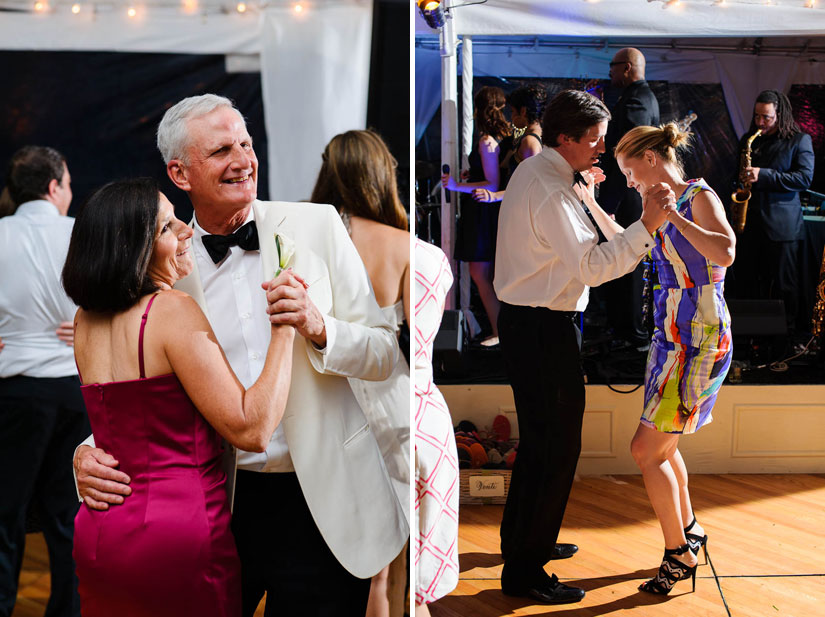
(314, 515)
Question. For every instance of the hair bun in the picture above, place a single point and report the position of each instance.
(673, 136)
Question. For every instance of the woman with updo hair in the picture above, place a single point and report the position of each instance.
(478, 224)
(691, 348)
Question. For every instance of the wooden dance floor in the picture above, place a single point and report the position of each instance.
(33, 593)
(767, 553)
(766, 546)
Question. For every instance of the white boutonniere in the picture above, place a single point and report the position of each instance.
(285, 247)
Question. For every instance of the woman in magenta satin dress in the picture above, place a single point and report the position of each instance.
(160, 395)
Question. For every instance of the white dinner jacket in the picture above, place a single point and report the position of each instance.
(333, 450)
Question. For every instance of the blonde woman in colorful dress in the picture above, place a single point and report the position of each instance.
(691, 348)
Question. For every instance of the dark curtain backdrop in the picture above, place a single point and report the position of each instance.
(101, 110)
(808, 102)
(388, 103)
(714, 155)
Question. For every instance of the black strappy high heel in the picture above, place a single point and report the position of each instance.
(696, 541)
(670, 572)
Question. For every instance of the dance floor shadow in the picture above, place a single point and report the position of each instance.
(469, 561)
(493, 597)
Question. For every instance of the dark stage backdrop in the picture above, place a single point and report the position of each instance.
(808, 102)
(714, 155)
(101, 110)
(388, 103)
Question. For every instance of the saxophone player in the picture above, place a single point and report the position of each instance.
(782, 165)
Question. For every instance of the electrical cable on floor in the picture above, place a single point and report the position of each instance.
(780, 366)
(716, 578)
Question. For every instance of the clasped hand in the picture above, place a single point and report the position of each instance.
(289, 304)
(657, 202)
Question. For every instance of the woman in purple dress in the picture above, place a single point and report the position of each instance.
(691, 348)
(160, 395)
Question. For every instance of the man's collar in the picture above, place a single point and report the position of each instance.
(38, 206)
(558, 161)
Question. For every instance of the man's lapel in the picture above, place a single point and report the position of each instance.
(265, 221)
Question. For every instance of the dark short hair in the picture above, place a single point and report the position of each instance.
(571, 113)
(111, 246)
(533, 97)
(30, 171)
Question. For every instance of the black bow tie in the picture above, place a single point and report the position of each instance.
(218, 246)
(578, 179)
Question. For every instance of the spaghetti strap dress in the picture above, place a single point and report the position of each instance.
(690, 353)
(477, 226)
(167, 550)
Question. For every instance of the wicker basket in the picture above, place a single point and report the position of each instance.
(483, 486)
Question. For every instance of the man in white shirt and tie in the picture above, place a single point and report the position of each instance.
(315, 515)
(42, 414)
(549, 254)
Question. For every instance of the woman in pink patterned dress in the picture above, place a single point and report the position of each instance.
(436, 461)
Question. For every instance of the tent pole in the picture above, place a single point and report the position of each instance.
(464, 285)
(449, 136)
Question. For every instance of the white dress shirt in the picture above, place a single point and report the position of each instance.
(33, 246)
(548, 253)
(241, 325)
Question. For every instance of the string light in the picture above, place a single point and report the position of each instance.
(190, 6)
(131, 12)
(298, 8)
(241, 7)
(40, 7)
(75, 8)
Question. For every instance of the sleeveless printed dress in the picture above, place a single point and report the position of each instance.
(691, 349)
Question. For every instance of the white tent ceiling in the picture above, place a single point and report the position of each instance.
(314, 63)
(685, 18)
(746, 45)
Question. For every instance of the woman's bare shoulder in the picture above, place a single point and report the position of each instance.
(175, 309)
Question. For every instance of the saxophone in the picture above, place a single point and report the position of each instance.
(740, 198)
(819, 306)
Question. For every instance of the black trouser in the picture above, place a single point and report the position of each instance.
(42, 420)
(283, 553)
(624, 303)
(623, 296)
(766, 269)
(541, 354)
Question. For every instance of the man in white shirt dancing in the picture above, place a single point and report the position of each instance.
(549, 253)
(42, 415)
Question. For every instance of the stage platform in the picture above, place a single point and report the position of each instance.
(756, 428)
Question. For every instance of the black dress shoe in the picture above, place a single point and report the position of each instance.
(563, 551)
(547, 591)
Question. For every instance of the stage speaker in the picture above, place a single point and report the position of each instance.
(749, 318)
(449, 341)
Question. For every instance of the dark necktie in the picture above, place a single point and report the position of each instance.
(579, 179)
(218, 246)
